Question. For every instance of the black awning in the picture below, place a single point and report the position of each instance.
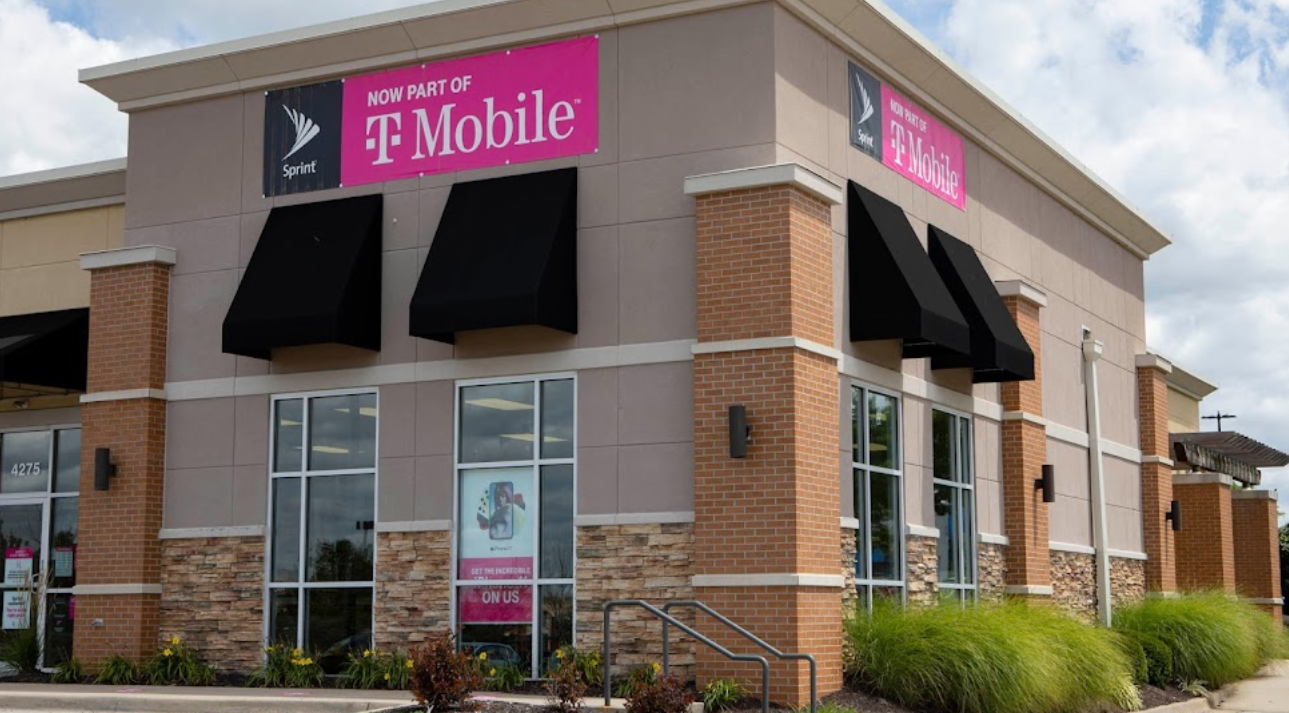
(44, 352)
(504, 255)
(895, 291)
(998, 349)
(314, 279)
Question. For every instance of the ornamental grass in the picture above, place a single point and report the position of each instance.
(1206, 637)
(986, 658)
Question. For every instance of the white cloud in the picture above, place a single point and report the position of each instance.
(1188, 121)
(47, 119)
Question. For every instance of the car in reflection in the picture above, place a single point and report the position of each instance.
(497, 653)
(334, 657)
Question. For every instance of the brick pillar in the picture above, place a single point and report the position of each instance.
(1257, 549)
(1156, 472)
(1206, 544)
(118, 584)
(765, 531)
(1024, 436)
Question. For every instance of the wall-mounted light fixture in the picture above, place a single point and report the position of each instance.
(1047, 483)
(104, 468)
(1174, 515)
(740, 431)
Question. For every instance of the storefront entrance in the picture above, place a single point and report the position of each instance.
(39, 487)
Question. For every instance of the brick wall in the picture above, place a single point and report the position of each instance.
(765, 270)
(1156, 480)
(119, 556)
(1205, 544)
(1257, 547)
(1024, 450)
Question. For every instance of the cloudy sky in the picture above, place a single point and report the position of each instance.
(1183, 105)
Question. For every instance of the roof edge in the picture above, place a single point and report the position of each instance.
(63, 173)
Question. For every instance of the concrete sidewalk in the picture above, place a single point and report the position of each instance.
(68, 698)
(1268, 692)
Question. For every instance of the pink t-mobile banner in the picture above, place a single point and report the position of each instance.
(506, 107)
(922, 149)
(496, 604)
(475, 568)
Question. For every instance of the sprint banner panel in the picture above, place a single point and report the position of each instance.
(887, 126)
(512, 106)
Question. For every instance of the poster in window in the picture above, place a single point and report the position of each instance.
(16, 610)
(496, 604)
(17, 566)
(496, 524)
(64, 561)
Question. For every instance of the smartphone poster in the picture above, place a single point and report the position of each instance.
(496, 524)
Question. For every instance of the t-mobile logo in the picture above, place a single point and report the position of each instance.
(384, 139)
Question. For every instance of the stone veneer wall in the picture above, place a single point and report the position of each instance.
(849, 550)
(212, 595)
(653, 562)
(1074, 583)
(991, 571)
(413, 581)
(1127, 581)
(921, 569)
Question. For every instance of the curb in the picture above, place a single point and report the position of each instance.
(168, 702)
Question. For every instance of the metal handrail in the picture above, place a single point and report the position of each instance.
(668, 619)
(814, 669)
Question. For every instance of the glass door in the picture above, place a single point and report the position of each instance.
(39, 485)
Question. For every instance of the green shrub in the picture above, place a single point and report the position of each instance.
(69, 671)
(1210, 636)
(1152, 659)
(588, 664)
(21, 648)
(720, 693)
(286, 667)
(442, 676)
(986, 658)
(376, 669)
(646, 675)
(505, 677)
(117, 670)
(177, 664)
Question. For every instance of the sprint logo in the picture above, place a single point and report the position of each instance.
(305, 131)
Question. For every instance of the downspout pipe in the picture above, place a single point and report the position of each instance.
(1092, 351)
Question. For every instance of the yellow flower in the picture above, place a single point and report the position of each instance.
(408, 663)
(174, 640)
(657, 667)
(559, 654)
(483, 656)
(297, 653)
(492, 672)
(366, 653)
(165, 652)
(386, 676)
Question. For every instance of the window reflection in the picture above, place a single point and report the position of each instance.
(286, 530)
(557, 419)
(24, 462)
(63, 527)
(883, 520)
(883, 432)
(342, 432)
(497, 422)
(340, 528)
(339, 624)
(67, 461)
(288, 436)
(557, 522)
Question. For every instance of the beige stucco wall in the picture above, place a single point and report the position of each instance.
(1183, 412)
(40, 257)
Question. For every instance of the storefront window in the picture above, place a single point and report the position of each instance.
(878, 482)
(39, 507)
(954, 504)
(515, 486)
(322, 534)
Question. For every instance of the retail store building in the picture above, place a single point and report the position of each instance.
(440, 318)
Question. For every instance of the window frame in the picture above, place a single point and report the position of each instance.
(968, 544)
(864, 586)
(46, 500)
(304, 474)
(536, 463)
